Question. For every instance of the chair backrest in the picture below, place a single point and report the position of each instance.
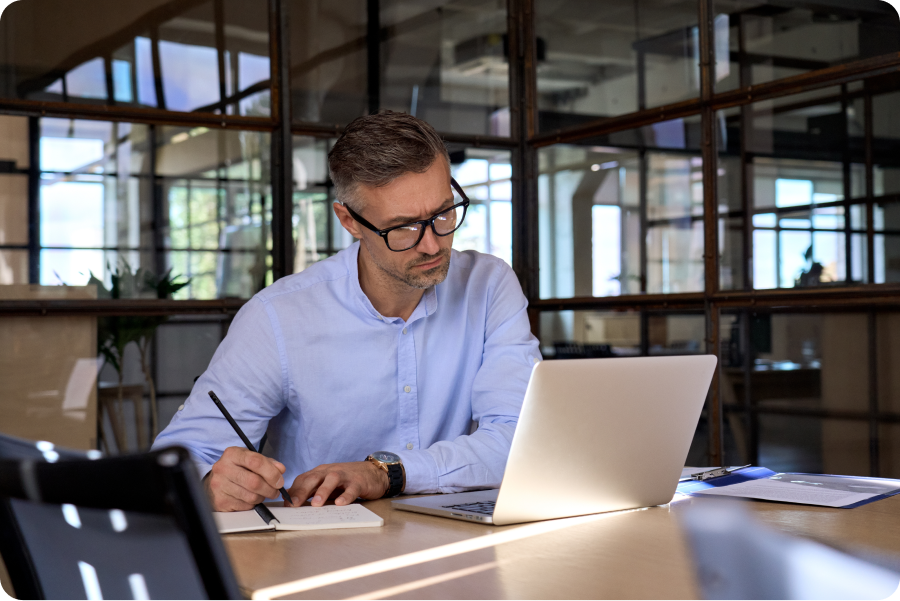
(127, 527)
(40, 450)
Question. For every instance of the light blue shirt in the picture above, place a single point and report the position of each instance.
(310, 358)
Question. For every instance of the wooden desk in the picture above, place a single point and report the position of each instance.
(641, 554)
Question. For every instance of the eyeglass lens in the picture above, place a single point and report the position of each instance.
(406, 237)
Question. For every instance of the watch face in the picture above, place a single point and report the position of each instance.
(386, 457)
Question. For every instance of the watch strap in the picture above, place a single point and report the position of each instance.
(395, 479)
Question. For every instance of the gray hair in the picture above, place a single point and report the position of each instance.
(377, 149)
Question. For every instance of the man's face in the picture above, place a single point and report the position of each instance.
(410, 197)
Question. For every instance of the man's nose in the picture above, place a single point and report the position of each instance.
(429, 244)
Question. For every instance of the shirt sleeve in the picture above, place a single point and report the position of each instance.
(248, 374)
(478, 460)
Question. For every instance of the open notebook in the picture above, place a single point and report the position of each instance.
(296, 518)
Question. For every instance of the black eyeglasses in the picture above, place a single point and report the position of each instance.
(406, 236)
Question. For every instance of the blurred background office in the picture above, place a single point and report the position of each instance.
(664, 176)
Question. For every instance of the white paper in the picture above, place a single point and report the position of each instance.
(323, 518)
(239, 521)
(788, 492)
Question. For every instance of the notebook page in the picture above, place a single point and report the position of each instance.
(324, 518)
(239, 521)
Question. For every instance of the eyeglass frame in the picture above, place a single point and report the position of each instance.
(424, 222)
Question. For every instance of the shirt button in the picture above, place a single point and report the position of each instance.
(404, 330)
(405, 389)
(181, 407)
(380, 318)
(535, 359)
(409, 446)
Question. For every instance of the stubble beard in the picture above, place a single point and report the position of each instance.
(416, 278)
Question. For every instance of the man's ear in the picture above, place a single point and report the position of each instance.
(350, 224)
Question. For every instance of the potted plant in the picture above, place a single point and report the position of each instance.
(115, 333)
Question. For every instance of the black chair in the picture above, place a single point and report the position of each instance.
(127, 527)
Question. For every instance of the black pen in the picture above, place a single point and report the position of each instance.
(243, 436)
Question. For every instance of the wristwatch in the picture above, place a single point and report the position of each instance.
(391, 464)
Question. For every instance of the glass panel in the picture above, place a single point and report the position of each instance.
(317, 232)
(886, 143)
(574, 334)
(328, 60)
(180, 348)
(13, 210)
(888, 352)
(485, 176)
(845, 447)
(184, 348)
(579, 334)
(738, 438)
(444, 62)
(887, 258)
(889, 450)
(796, 362)
(13, 266)
(48, 366)
(98, 206)
(674, 223)
(76, 57)
(590, 215)
(888, 349)
(603, 59)
(731, 222)
(676, 334)
(764, 41)
(800, 172)
(816, 361)
(13, 141)
(804, 444)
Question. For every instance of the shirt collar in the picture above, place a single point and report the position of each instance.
(427, 305)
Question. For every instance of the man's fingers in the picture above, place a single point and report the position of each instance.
(304, 485)
(229, 496)
(349, 495)
(261, 465)
(253, 483)
(331, 481)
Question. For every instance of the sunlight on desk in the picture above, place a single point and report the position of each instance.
(457, 548)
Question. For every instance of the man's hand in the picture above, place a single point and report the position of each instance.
(240, 479)
(351, 480)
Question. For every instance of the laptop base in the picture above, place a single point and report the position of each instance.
(449, 505)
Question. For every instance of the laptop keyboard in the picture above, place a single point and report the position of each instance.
(482, 507)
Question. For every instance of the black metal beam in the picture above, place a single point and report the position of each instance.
(373, 55)
(522, 57)
(144, 307)
(874, 446)
(281, 169)
(34, 200)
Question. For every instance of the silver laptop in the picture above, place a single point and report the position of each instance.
(594, 435)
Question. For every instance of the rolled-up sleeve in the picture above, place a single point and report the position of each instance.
(478, 460)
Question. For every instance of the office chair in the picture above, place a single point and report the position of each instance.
(127, 527)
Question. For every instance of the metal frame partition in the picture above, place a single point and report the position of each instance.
(870, 299)
(524, 142)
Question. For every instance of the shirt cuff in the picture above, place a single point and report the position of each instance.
(202, 469)
(421, 472)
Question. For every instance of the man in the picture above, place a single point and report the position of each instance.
(395, 344)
